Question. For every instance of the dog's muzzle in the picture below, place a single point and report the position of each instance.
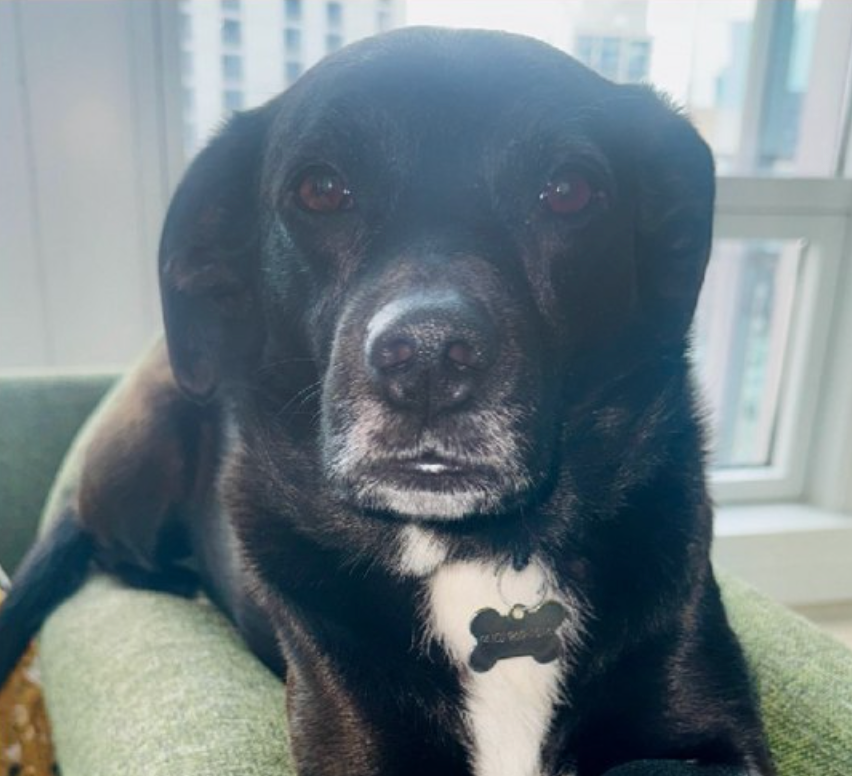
(417, 412)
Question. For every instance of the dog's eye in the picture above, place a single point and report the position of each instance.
(568, 192)
(322, 190)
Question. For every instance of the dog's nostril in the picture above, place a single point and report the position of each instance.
(462, 355)
(393, 355)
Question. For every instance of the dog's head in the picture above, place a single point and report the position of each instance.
(408, 276)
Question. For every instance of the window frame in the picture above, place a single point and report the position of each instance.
(818, 211)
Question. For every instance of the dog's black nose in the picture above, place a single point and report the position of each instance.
(430, 351)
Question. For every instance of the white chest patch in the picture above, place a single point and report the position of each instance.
(508, 708)
(420, 552)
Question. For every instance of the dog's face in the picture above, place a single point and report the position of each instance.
(424, 265)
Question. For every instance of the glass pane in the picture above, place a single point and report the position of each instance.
(763, 81)
(740, 342)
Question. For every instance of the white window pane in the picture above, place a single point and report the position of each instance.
(740, 342)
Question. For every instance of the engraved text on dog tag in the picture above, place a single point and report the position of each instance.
(521, 633)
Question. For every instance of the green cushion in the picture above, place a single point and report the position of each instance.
(145, 683)
(804, 680)
(39, 416)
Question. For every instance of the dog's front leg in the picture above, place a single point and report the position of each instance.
(330, 734)
(335, 732)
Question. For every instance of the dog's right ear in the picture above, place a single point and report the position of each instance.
(209, 255)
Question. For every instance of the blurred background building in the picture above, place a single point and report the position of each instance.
(238, 53)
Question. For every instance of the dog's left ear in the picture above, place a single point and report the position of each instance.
(209, 255)
(674, 188)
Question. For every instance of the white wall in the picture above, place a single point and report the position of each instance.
(85, 180)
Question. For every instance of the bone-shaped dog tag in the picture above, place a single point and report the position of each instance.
(521, 633)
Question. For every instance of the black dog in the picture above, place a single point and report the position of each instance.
(427, 316)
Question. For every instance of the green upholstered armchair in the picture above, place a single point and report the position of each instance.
(142, 683)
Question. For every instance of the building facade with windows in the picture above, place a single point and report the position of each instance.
(237, 54)
(611, 37)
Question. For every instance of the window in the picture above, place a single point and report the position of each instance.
(619, 59)
(741, 342)
(244, 53)
(292, 71)
(232, 67)
(292, 41)
(638, 60)
(761, 334)
(232, 32)
(230, 6)
(232, 99)
(293, 10)
(608, 59)
(334, 15)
